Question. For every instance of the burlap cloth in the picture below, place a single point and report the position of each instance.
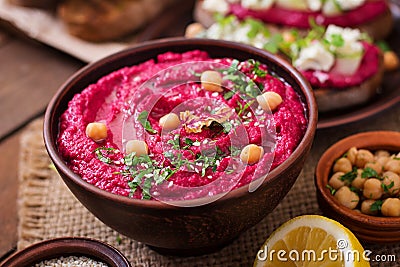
(47, 209)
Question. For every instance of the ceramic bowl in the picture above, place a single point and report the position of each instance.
(64, 247)
(173, 229)
(367, 228)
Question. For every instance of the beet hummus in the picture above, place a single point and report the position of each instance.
(300, 19)
(163, 137)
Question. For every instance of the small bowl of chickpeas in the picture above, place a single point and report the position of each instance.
(358, 184)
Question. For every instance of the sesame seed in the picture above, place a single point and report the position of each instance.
(81, 261)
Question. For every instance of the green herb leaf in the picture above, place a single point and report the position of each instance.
(368, 172)
(387, 187)
(189, 141)
(142, 118)
(228, 95)
(349, 176)
(99, 153)
(336, 40)
(376, 206)
(331, 189)
(175, 142)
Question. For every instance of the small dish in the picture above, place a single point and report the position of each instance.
(67, 246)
(367, 228)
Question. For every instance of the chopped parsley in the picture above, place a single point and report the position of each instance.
(242, 83)
(102, 154)
(142, 118)
(376, 206)
(387, 187)
(349, 176)
(331, 189)
(368, 172)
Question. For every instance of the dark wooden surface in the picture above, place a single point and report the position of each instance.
(30, 74)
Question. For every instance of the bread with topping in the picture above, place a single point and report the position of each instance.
(103, 20)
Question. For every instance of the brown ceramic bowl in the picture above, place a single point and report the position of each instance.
(172, 229)
(367, 228)
(64, 247)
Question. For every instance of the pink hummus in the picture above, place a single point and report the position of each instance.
(109, 99)
(369, 66)
(363, 14)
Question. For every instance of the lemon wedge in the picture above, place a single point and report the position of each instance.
(312, 240)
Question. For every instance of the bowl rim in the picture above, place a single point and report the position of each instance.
(309, 101)
(386, 139)
(79, 246)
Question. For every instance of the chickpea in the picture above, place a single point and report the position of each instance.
(138, 146)
(382, 153)
(269, 101)
(342, 165)
(390, 60)
(363, 157)
(347, 198)
(382, 160)
(251, 154)
(373, 189)
(391, 207)
(97, 131)
(211, 80)
(358, 182)
(169, 122)
(376, 166)
(288, 36)
(393, 165)
(352, 154)
(392, 182)
(335, 180)
(193, 30)
(366, 207)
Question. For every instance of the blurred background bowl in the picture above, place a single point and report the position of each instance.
(64, 247)
(172, 229)
(368, 228)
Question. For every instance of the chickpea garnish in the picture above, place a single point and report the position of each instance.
(391, 207)
(169, 122)
(366, 207)
(211, 80)
(363, 157)
(347, 198)
(193, 29)
(376, 166)
(138, 146)
(373, 189)
(390, 60)
(393, 165)
(269, 101)
(288, 36)
(358, 182)
(342, 165)
(251, 154)
(335, 180)
(97, 131)
(352, 154)
(373, 176)
(391, 182)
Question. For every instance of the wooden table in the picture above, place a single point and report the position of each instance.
(30, 73)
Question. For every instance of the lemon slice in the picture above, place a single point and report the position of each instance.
(312, 240)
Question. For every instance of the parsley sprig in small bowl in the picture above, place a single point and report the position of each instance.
(375, 229)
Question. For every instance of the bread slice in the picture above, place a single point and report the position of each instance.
(378, 29)
(103, 20)
(330, 99)
(43, 4)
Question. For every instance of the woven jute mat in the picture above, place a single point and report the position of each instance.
(47, 209)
